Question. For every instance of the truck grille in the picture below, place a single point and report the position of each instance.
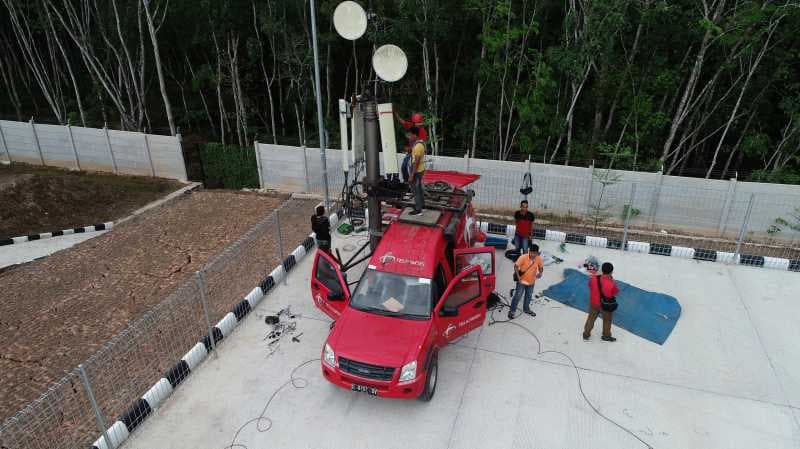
(366, 370)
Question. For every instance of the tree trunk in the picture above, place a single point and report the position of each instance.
(753, 67)
(203, 99)
(157, 57)
(688, 93)
(476, 115)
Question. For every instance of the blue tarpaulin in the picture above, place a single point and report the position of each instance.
(649, 315)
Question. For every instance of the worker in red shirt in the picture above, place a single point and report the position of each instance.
(523, 221)
(417, 120)
(609, 290)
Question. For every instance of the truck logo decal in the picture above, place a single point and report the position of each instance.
(389, 257)
(449, 330)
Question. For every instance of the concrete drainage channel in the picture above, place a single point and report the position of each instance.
(136, 414)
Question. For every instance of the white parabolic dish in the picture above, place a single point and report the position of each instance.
(390, 63)
(350, 20)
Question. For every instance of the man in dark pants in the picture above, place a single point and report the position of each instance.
(406, 166)
(610, 290)
(529, 267)
(417, 168)
(523, 224)
(322, 229)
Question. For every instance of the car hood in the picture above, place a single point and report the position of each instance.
(376, 339)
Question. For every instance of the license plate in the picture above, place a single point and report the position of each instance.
(372, 391)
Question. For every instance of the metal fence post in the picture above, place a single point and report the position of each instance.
(201, 286)
(305, 169)
(654, 204)
(628, 217)
(149, 156)
(280, 242)
(179, 137)
(101, 421)
(5, 145)
(110, 150)
(743, 229)
(36, 141)
(258, 165)
(725, 212)
(590, 190)
(74, 148)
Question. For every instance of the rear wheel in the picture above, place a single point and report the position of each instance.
(431, 379)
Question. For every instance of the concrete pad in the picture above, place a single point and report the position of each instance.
(713, 329)
(727, 377)
(28, 251)
(539, 405)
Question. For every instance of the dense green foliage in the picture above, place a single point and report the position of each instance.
(698, 87)
(229, 166)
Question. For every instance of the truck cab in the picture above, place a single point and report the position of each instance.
(425, 286)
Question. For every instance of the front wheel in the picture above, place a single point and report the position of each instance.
(431, 379)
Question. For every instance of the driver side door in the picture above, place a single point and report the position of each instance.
(329, 290)
(462, 307)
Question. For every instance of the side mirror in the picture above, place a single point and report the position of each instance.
(335, 296)
(448, 311)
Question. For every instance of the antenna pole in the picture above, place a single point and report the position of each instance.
(320, 121)
(373, 170)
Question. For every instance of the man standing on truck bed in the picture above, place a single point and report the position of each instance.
(417, 168)
(528, 268)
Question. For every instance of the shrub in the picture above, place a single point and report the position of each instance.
(229, 166)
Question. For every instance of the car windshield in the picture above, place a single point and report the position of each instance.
(393, 295)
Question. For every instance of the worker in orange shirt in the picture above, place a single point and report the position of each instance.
(527, 268)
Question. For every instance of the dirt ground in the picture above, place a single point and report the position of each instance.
(56, 312)
(43, 199)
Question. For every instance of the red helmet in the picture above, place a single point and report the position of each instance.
(417, 118)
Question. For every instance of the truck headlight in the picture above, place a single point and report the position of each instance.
(328, 356)
(409, 372)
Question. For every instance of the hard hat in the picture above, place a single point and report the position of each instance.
(417, 118)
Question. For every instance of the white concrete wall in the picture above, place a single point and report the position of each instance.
(94, 149)
(667, 202)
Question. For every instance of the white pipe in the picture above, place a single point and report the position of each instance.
(388, 140)
(357, 136)
(343, 133)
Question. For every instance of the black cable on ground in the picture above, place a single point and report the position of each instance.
(492, 321)
(263, 423)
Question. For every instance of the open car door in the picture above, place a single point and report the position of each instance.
(328, 287)
(482, 257)
(462, 308)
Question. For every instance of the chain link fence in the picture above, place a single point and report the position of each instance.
(668, 210)
(114, 390)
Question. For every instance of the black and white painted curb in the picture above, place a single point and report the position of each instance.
(103, 226)
(47, 235)
(161, 390)
(650, 248)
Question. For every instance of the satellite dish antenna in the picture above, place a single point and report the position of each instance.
(350, 20)
(390, 63)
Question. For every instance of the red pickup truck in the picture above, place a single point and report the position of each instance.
(425, 286)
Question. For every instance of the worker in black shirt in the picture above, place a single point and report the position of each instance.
(322, 228)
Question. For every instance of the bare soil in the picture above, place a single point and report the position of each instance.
(43, 199)
(56, 312)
